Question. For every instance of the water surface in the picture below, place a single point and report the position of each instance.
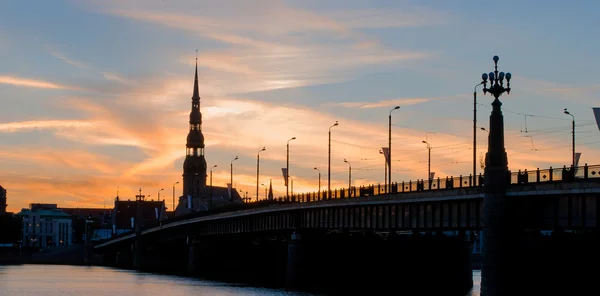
(65, 280)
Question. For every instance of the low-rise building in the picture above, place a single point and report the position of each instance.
(2, 201)
(125, 213)
(98, 222)
(45, 226)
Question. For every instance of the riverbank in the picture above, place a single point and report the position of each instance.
(72, 255)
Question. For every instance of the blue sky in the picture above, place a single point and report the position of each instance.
(95, 94)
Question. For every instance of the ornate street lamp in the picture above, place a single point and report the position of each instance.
(496, 208)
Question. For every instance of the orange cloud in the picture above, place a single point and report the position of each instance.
(236, 126)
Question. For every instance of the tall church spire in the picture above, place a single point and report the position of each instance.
(194, 166)
(196, 93)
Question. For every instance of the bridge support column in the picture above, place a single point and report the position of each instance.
(296, 271)
(122, 260)
(138, 255)
(193, 259)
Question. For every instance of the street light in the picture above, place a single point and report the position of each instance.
(389, 160)
(475, 125)
(265, 191)
(287, 170)
(567, 112)
(211, 187)
(496, 222)
(329, 163)
(159, 193)
(174, 195)
(428, 163)
(258, 169)
(231, 176)
(349, 175)
(319, 179)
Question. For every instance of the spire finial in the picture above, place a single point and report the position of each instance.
(196, 93)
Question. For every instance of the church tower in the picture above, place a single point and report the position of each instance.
(194, 166)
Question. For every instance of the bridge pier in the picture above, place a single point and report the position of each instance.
(138, 255)
(193, 258)
(123, 259)
(371, 263)
(296, 271)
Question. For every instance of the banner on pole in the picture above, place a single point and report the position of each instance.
(577, 156)
(597, 115)
(285, 175)
(431, 175)
(229, 190)
(189, 201)
(386, 154)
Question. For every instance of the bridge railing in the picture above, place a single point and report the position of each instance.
(564, 174)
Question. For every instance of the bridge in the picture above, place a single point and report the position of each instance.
(264, 239)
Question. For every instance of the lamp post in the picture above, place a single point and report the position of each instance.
(475, 128)
(265, 191)
(287, 169)
(329, 163)
(428, 163)
(349, 175)
(498, 227)
(389, 160)
(211, 188)
(159, 193)
(174, 194)
(231, 175)
(258, 169)
(573, 125)
(319, 179)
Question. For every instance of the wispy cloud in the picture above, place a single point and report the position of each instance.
(271, 45)
(67, 60)
(26, 82)
(116, 77)
(43, 124)
(384, 103)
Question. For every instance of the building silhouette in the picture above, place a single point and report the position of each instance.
(197, 196)
(194, 166)
(124, 215)
(45, 226)
(2, 201)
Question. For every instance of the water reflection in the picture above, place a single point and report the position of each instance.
(476, 283)
(64, 280)
(54, 280)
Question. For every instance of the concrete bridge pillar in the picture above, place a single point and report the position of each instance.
(296, 271)
(194, 254)
(122, 260)
(138, 255)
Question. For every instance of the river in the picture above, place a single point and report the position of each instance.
(65, 280)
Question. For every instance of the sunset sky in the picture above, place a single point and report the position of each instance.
(96, 95)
